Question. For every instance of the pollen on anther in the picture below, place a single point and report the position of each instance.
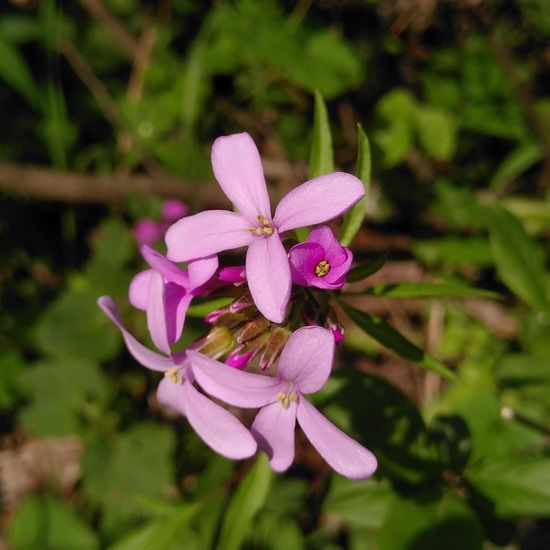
(174, 375)
(322, 268)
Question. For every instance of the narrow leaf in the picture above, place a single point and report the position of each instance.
(518, 260)
(366, 269)
(429, 290)
(321, 157)
(14, 71)
(518, 161)
(395, 341)
(247, 501)
(354, 217)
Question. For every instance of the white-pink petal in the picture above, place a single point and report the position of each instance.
(139, 289)
(318, 200)
(238, 168)
(342, 453)
(169, 271)
(169, 395)
(143, 355)
(218, 428)
(307, 358)
(201, 271)
(235, 387)
(268, 276)
(205, 234)
(156, 313)
(273, 429)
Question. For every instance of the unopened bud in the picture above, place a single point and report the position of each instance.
(252, 329)
(335, 326)
(243, 354)
(274, 347)
(235, 275)
(244, 302)
(217, 343)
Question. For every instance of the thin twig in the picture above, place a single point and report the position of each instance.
(125, 40)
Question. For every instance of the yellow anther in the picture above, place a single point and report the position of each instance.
(174, 375)
(322, 268)
(286, 402)
(268, 230)
(292, 396)
(280, 396)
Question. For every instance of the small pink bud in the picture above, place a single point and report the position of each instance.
(235, 275)
(239, 358)
(173, 210)
(146, 231)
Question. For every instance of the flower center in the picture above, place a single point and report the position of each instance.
(322, 268)
(174, 375)
(266, 230)
(287, 396)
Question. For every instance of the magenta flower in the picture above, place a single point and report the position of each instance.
(321, 261)
(173, 209)
(218, 428)
(147, 231)
(304, 367)
(165, 292)
(238, 169)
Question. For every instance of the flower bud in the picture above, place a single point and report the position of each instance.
(217, 343)
(335, 326)
(252, 329)
(273, 347)
(244, 302)
(235, 275)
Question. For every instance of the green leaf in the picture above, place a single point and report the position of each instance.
(518, 486)
(14, 71)
(430, 290)
(447, 524)
(202, 309)
(247, 501)
(42, 521)
(437, 132)
(74, 385)
(454, 250)
(516, 369)
(366, 269)
(359, 503)
(166, 533)
(518, 161)
(395, 341)
(321, 158)
(518, 260)
(354, 217)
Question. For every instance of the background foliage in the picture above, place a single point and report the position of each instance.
(108, 106)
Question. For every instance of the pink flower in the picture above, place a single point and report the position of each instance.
(304, 367)
(321, 261)
(218, 428)
(173, 209)
(238, 169)
(165, 292)
(147, 231)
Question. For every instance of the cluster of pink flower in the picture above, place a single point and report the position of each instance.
(264, 320)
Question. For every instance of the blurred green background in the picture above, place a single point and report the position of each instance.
(109, 106)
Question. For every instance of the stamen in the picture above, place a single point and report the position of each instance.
(174, 375)
(322, 268)
(265, 231)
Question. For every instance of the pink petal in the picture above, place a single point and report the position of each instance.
(146, 231)
(337, 275)
(201, 271)
(343, 453)
(335, 253)
(205, 234)
(143, 355)
(169, 395)
(273, 429)
(156, 313)
(307, 358)
(318, 200)
(268, 276)
(218, 428)
(238, 168)
(139, 289)
(235, 274)
(235, 387)
(303, 258)
(169, 271)
(176, 303)
(173, 209)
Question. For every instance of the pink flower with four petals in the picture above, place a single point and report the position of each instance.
(238, 168)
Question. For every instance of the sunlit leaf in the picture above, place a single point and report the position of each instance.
(430, 290)
(321, 157)
(249, 498)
